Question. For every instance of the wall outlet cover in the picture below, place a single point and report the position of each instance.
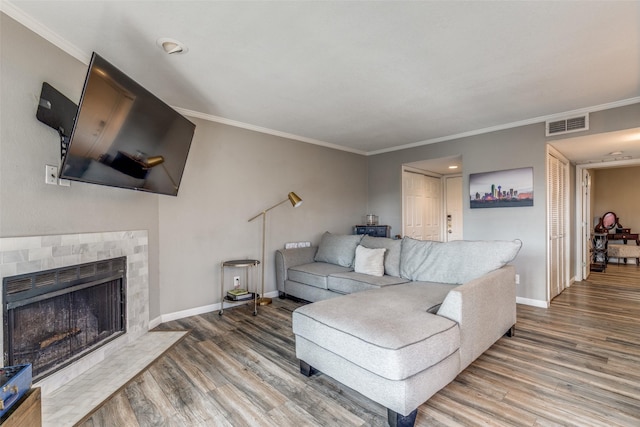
(51, 175)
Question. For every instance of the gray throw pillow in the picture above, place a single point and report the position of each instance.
(338, 249)
(454, 262)
(392, 254)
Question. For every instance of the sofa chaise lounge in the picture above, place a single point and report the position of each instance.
(399, 337)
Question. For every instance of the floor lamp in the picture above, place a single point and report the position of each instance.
(295, 202)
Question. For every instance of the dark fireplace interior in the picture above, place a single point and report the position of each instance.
(54, 317)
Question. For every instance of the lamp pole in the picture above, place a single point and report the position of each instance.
(295, 201)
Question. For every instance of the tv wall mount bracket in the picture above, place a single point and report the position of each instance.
(58, 112)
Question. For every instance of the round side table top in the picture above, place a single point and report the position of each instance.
(241, 263)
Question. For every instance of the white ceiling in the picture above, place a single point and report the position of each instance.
(364, 76)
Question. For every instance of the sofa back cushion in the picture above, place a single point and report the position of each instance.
(391, 255)
(454, 262)
(338, 249)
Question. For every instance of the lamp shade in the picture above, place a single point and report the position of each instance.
(295, 199)
(154, 161)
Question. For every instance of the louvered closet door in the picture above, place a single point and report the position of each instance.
(556, 191)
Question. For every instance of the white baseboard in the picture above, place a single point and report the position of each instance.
(532, 302)
(155, 322)
(197, 310)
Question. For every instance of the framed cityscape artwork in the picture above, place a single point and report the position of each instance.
(501, 189)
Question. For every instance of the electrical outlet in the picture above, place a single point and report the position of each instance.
(236, 281)
(517, 279)
(51, 175)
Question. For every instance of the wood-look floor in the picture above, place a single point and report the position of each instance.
(574, 364)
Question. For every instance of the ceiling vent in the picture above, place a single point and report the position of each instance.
(573, 124)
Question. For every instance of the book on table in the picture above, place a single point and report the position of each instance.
(239, 295)
(237, 292)
(245, 297)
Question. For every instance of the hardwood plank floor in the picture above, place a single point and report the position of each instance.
(574, 364)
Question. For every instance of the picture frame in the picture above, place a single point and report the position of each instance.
(511, 188)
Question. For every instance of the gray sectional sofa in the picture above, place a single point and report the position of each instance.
(398, 332)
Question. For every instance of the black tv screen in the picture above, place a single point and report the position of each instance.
(124, 136)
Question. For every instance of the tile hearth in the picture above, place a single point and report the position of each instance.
(70, 403)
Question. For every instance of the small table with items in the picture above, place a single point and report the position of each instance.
(247, 265)
(373, 230)
(623, 251)
(609, 227)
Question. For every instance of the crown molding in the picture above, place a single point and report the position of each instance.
(268, 131)
(43, 31)
(541, 119)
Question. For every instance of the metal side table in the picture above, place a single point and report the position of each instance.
(247, 264)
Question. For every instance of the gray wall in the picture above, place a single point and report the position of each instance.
(28, 206)
(506, 149)
(231, 175)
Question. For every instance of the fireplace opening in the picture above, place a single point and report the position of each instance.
(54, 317)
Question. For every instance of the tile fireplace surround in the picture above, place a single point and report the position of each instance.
(20, 255)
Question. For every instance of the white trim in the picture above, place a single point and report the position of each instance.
(177, 315)
(155, 322)
(535, 120)
(532, 302)
(43, 31)
(190, 312)
(267, 131)
(583, 256)
(418, 171)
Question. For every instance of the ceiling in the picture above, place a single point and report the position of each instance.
(366, 77)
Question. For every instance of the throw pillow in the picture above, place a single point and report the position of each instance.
(392, 254)
(369, 261)
(337, 249)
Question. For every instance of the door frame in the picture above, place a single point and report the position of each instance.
(445, 199)
(582, 254)
(443, 189)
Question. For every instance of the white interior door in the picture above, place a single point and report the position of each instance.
(422, 206)
(453, 200)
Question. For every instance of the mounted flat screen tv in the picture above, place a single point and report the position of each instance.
(124, 136)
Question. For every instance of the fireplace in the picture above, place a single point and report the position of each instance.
(54, 317)
(20, 256)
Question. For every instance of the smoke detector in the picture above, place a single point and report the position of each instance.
(171, 46)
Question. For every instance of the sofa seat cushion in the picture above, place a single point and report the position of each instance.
(386, 330)
(315, 273)
(350, 282)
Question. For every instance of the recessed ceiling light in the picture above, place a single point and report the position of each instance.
(171, 46)
(453, 167)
